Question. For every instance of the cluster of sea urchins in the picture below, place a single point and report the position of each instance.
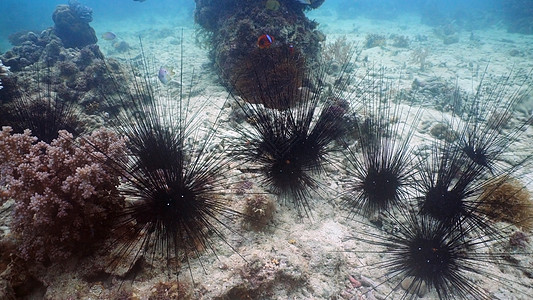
(435, 199)
(437, 203)
(174, 185)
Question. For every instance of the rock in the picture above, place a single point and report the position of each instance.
(417, 287)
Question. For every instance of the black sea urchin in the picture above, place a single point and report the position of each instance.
(486, 130)
(380, 169)
(423, 255)
(43, 111)
(172, 183)
(457, 172)
(293, 124)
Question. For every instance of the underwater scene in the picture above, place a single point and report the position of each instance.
(266, 149)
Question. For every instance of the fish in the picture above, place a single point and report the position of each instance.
(109, 36)
(164, 75)
(139, 0)
(265, 41)
(306, 2)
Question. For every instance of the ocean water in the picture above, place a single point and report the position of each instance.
(474, 14)
(429, 48)
(37, 15)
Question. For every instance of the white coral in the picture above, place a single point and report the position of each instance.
(4, 71)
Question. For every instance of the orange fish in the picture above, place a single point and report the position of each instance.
(265, 41)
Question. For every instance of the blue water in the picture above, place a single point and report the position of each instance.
(20, 15)
(17, 15)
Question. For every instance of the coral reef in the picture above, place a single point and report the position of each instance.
(236, 25)
(72, 25)
(64, 198)
(78, 77)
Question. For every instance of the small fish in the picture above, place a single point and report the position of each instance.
(265, 41)
(109, 36)
(164, 75)
(139, 0)
(306, 2)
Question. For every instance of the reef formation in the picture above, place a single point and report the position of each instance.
(234, 26)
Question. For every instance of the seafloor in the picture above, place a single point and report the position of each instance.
(309, 258)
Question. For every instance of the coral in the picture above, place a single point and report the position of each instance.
(75, 76)
(400, 41)
(83, 12)
(67, 68)
(419, 56)
(448, 33)
(4, 71)
(508, 200)
(236, 25)
(258, 211)
(31, 49)
(375, 40)
(273, 69)
(73, 30)
(13, 148)
(337, 51)
(64, 198)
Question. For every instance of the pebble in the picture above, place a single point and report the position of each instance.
(406, 284)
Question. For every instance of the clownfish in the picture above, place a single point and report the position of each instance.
(265, 41)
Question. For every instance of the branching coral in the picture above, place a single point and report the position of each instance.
(13, 147)
(338, 51)
(64, 198)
